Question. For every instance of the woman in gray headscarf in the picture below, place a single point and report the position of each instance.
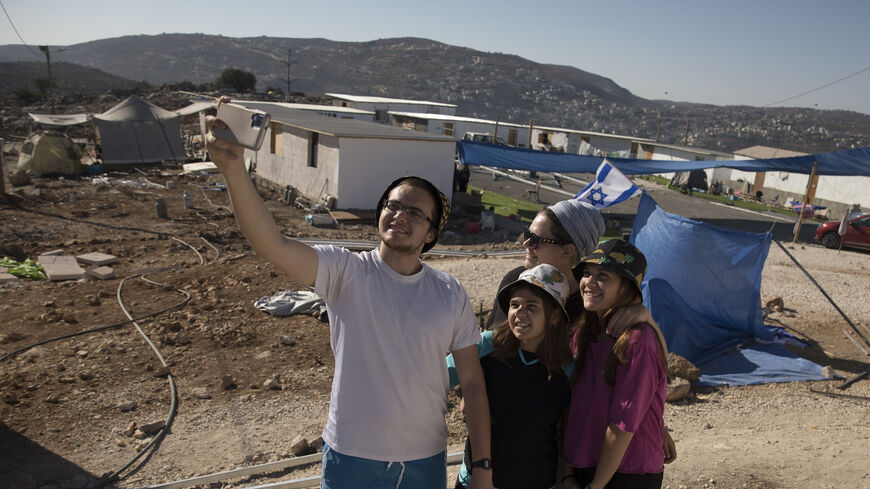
(560, 235)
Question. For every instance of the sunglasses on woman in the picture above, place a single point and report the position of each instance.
(535, 240)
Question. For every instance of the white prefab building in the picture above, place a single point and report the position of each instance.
(588, 143)
(839, 194)
(382, 105)
(350, 160)
(457, 126)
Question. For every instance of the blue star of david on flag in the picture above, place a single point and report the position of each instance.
(610, 187)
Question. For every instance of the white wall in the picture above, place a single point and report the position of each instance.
(290, 167)
(369, 165)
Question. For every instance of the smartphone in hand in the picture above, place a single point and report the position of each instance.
(245, 127)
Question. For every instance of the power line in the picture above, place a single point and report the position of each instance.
(16, 30)
(819, 88)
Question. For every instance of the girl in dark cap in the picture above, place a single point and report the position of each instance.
(615, 425)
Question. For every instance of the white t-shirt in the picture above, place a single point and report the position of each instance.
(389, 334)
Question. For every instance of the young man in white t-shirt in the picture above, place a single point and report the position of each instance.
(392, 318)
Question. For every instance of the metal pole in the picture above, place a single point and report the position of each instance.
(797, 228)
(2, 171)
(495, 131)
(46, 50)
(849, 321)
(531, 125)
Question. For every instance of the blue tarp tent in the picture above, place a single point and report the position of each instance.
(703, 286)
(852, 162)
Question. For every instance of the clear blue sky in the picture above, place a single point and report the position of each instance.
(747, 52)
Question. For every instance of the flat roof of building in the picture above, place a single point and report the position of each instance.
(333, 126)
(385, 100)
(765, 152)
(453, 118)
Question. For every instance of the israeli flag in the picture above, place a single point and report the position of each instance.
(610, 187)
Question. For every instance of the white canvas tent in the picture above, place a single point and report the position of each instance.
(135, 131)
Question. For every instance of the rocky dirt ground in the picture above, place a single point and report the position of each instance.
(249, 383)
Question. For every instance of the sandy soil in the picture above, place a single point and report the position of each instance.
(65, 405)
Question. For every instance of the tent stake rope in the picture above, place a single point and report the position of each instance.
(849, 321)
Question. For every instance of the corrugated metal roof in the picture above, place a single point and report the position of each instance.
(384, 100)
(349, 128)
(765, 152)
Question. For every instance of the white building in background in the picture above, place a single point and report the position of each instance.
(382, 105)
(457, 127)
(839, 194)
(350, 160)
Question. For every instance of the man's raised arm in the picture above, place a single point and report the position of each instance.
(296, 259)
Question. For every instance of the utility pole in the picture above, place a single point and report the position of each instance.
(45, 50)
(659, 130)
(288, 79)
(686, 140)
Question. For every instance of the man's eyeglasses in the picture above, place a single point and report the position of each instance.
(535, 240)
(413, 214)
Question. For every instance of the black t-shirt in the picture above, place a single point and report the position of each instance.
(525, 407)
(574, 304)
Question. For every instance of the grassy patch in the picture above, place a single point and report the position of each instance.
(653, 178)
(505, 206)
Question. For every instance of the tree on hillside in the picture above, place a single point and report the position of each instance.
(238, 80)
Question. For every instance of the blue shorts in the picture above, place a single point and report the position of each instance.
(338, 471)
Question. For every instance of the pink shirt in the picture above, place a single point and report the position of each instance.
(635, 405)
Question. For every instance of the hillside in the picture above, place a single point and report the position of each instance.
(69, 77)
(481, 84)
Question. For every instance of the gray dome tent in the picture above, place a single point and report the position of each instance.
(135, 131)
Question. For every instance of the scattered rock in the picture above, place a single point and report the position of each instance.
(10, 337)
(161, 371)
(774, 303)
(272, 384)
(678, 388)
(93, 300)
(828, 372)
(152, 428)
(52, 399)
(10, 398)
(127, 406)
(131, 428)
(32, 354)
(680, 367)
(120, 442)
(82, 353)
(200, 393)
(69, 318)
(228, 383)
(299, 446)
(288, 340)
(139, 435)
(316, 444)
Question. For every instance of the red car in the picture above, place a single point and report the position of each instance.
(857, 233)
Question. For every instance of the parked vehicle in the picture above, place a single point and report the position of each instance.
(857, 232)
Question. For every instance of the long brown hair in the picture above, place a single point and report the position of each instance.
(553, 352)
(590, 325)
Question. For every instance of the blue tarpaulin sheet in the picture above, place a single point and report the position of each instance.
(852, 162)
(703, 286)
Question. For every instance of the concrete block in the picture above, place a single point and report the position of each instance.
(7, 277)
(102, 273)
(95, 258)
(61, 267)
